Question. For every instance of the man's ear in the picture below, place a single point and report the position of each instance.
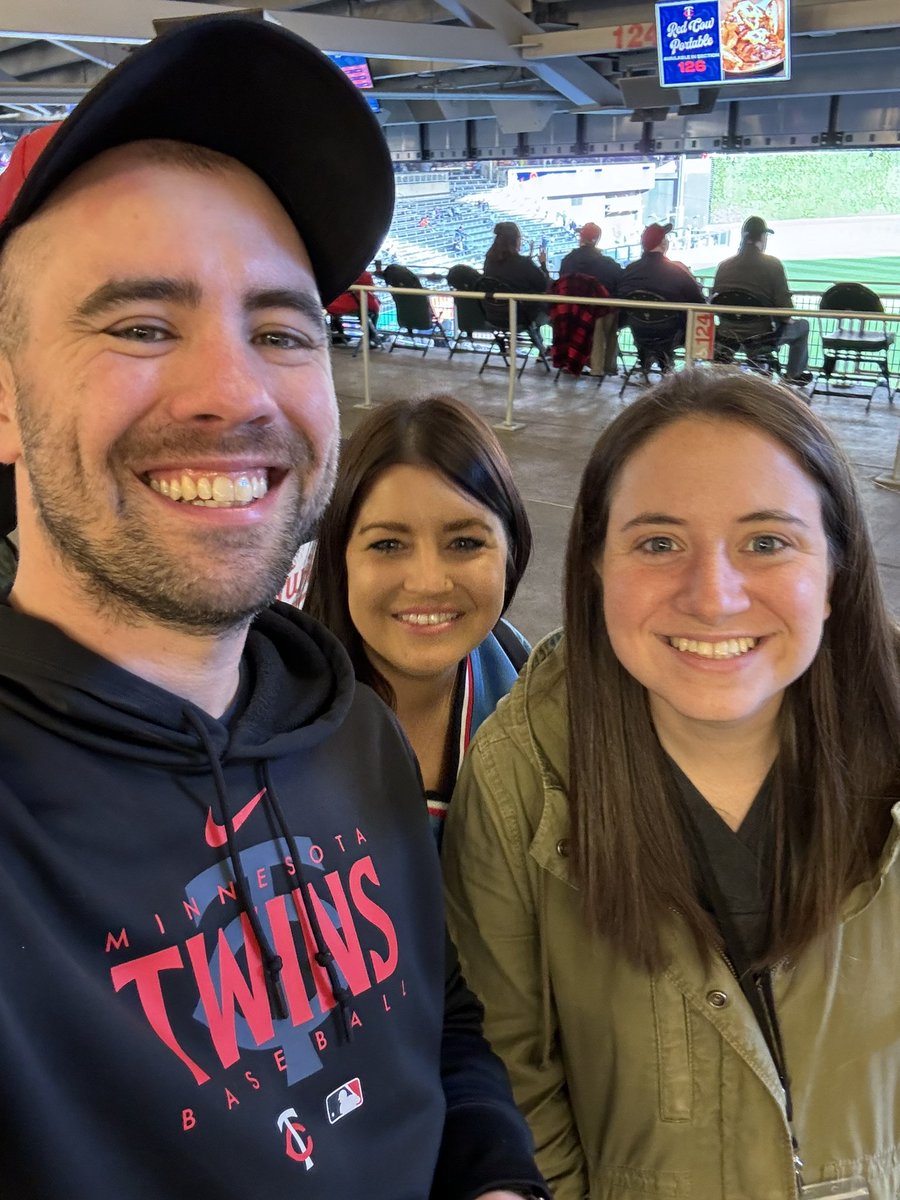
(10, 444)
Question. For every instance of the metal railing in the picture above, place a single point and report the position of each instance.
(699, 340)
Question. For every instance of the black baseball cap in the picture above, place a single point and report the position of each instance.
(249, 89)
(754, 228)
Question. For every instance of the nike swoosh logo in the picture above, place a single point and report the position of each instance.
(215, 833)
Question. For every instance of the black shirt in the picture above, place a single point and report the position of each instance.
(741, 859)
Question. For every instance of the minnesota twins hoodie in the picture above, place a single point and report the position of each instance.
(224, 971)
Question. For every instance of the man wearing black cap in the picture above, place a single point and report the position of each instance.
(763, 275)
(225, 971)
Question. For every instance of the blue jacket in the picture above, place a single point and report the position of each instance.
(486, 675)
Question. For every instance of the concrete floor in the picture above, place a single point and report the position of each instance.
(561, 423)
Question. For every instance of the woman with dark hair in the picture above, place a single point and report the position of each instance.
(672, 861)
(517, 272)
(418, 556)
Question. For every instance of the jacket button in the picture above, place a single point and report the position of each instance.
(562, 847)
(717, 999)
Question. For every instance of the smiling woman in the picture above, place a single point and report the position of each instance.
(419, 554)
(671, 866)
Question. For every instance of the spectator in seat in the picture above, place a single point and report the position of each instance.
(516, 271)
(654, 271)
(764, 275)
(588, 259)
(347, 305)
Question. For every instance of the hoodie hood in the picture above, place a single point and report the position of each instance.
(299, 688)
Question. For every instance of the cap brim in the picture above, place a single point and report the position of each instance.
(261, 95)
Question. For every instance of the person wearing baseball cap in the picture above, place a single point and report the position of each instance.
(227, 974)
(655, 274)
(654, 271)
(588, 259)
(600, 277)
(763, 275)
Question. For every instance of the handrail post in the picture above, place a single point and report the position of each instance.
(364, 334)
(689, 327)
(508, 423)
(891, 481)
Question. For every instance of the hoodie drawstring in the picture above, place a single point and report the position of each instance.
(324, 956)
(271, 961)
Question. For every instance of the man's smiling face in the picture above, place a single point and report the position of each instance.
(169, 404)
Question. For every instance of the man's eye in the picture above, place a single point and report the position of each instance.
(147, 334)
(767, 543)
(658, 544)
(286, 339)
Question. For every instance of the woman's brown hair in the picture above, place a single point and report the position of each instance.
(837, 772)
(507, 239)
(438, 432)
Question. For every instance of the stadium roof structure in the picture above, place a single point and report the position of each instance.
(498, 79)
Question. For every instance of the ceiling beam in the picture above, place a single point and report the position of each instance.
(578, 82)
(815, 18)
(127, 22)
(131, 21)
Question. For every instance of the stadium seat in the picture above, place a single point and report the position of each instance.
(470, 318)
(855, 348)
(753, 336)
(657, 334)
(417, 325)
(528, 334)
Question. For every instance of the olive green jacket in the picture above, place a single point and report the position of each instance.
(639, 1085)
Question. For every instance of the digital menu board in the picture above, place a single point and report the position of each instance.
(356, 68)
(723, 41)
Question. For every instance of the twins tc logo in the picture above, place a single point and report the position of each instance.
(296, 1145)
(689, 12)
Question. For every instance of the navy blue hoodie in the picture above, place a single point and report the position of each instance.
(224, 969)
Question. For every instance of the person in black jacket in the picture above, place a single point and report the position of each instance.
(518, 272)
(226, 974)
(654, 271)
(588, 259)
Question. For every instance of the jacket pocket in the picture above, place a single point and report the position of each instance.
(635, 1183)
(674, 1059)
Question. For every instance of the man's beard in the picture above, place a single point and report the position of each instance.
(120, 555)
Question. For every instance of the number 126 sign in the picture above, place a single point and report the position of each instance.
(723, 41)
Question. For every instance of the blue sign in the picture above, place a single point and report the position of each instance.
(723, 41)
(689, 51)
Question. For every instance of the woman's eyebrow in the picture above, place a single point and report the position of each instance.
(772, 514)
(652, 518)
(465, 523)
(389, 526)
(752, 518)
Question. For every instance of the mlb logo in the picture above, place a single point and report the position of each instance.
(343, 1100)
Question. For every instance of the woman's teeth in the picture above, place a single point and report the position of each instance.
(440, 618)
(732, 648)
(212, 490)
